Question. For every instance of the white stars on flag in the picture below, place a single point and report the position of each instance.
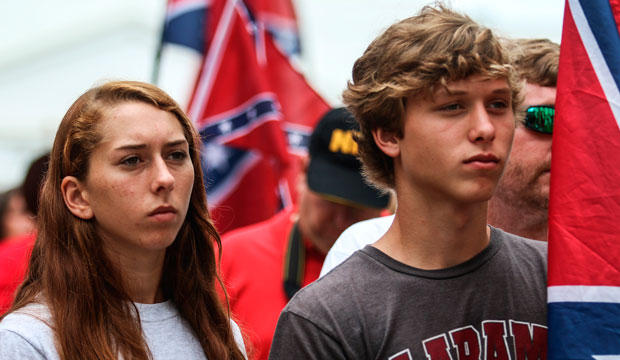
(225, 127)
(216, 157)
(295, 139)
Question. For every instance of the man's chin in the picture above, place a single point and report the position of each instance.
(538, 195)
(541, 199)
(543, 182)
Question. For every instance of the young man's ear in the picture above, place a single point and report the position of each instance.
(387, 141)
(76, 198)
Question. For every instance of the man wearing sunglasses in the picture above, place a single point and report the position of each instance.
(521, 199)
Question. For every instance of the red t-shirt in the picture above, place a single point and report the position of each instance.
(252, 268)
(14, 257)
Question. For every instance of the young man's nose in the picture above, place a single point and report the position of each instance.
(482, 127)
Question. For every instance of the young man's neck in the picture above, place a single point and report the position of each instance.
(528, 222)
(436, 235)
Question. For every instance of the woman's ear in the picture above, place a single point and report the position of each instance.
(387, 141)
(76, 198)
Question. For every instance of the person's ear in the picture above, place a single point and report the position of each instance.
(304, 161)
(302, 177)
(387, 141)
(76, 198)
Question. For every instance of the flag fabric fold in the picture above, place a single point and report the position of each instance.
(183, 17)
(253, 110)
(584, 209)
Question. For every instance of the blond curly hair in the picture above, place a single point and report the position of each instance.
(536, 60)
(412, 58)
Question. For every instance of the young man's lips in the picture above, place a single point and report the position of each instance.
(482, 161)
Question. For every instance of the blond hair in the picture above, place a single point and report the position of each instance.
(412, 58)
(536, 60)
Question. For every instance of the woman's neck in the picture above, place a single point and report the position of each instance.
(141, 274)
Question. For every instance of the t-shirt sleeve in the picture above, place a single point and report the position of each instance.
(13, 346)
(333, 258)
(299, 338)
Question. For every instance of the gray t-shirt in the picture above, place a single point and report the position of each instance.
(24, 334)
(493, 306)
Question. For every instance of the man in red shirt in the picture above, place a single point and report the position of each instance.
(14, 255)
(264, 264)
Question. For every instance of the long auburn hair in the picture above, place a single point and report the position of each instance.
(70, 272)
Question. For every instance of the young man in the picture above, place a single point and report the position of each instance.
(521, 201)
(264, 264)
(435, 97)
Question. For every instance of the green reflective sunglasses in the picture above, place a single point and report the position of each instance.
(539, 118)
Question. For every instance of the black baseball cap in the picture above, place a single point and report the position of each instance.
(334, 170)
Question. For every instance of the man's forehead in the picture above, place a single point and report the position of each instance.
(539, 95)
(471, 85)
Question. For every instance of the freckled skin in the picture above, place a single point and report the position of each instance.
(124, 185)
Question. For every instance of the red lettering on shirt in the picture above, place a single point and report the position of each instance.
(466, 341)
(495, 340)
(436, 348)
(530, 340)
(401, 355)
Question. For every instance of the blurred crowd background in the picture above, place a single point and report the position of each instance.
(52, 51)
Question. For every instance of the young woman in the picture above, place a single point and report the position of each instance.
(124, 265)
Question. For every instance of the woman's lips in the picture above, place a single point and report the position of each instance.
(163, 213)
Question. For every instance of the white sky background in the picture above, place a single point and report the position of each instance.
(51, 52)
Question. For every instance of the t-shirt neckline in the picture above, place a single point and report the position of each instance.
(156, 312)
(454, 271)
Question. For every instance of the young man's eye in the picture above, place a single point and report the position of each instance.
(451, 107)
(498, 105)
